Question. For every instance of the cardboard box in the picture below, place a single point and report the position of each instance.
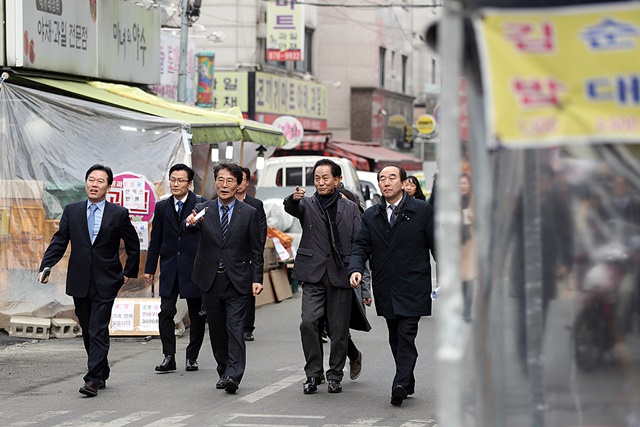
(267, 295)
(135, 317)
(270, 256)
(281, 286)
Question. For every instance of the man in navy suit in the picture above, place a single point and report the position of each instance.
(95, 275)
(228, 269)
(241, 194)
(177, 252)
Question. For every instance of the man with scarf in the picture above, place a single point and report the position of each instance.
(330, 224)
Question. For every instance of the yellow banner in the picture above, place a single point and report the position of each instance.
(231, 89)
(561, 75)
(290, 97)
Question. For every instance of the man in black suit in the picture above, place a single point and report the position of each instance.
(177, 252)
(95, 275)
(241, 194)
(228, 269)
(396, 237)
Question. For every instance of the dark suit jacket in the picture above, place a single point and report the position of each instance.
(241, 251)
(399, 257)
(101, 259)
(262, 217)
(176, 249)
(314, 256)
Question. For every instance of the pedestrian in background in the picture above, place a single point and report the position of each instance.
(241, 194)
(329, 226)
(468, 245)
(95, 275)
(177, 252)
(227, 269)
(412, 187)
(396, 237)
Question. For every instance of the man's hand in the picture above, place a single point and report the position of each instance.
(149, 278)
(191, 219)
(355, 280)
(257, 289)
(299, 194)
(126, 279)
(367, 301)
(40, 276)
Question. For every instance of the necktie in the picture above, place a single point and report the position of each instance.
(91, 221)
(180, 209)
(224, 222)
(392, 219)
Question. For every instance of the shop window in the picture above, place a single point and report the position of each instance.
(405, 60)
(306, 66)
(383, 54)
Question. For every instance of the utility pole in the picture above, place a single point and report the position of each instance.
(184, 41)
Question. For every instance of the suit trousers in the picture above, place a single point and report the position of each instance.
(166, 324)
(250, 318)
(315, 297)
(402, 340)
(94, 315)
(226, 309)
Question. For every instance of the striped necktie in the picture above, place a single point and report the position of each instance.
(224, 222)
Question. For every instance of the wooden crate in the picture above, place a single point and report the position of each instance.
(26, 220)
(4, 221)
(50, 228)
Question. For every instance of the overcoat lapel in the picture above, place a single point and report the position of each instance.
(82, 220)
(170, 212)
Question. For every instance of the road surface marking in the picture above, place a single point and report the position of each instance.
(273, 388)
(38, 418)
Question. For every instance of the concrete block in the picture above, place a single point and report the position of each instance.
(30, 327)
(63, 328)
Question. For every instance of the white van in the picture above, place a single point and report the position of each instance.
(281, 175)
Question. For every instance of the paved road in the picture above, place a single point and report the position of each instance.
(40, 382)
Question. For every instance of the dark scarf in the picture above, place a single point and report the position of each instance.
(465, 229)
(329, 205)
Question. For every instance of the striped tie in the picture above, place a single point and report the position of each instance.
(224, 222)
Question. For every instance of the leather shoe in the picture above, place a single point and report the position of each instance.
(355, 366)
(102, 384)
(168, 364)
(311, 385)
(89, 389)
(220, 383)
(248, 336)
(398, 394)
(192, 365)
(334, 386)
(230, 385)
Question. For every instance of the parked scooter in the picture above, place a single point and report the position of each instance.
(606, 306)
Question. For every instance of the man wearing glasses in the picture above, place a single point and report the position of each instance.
(177, 252)
(228, 270)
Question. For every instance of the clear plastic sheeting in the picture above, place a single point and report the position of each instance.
(47, 144)
(549, 300)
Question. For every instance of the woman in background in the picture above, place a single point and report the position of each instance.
(412, 187)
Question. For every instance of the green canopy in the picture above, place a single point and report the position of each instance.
(207, 126)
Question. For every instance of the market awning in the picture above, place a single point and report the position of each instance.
(206, 126)
(379, 155)
(314, 142)
(359, 162)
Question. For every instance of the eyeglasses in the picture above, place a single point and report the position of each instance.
(228, 181)
(178, 181)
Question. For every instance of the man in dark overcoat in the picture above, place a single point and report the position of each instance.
(177, 252)
(396, 237)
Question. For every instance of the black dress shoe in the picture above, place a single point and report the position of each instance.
(220, 383)
(168, 364)
(230, 385)
(398, 394)
(102, 384)
(89, 389)
(248, 336)
(311, 385)
(192, 365)
(334, 386)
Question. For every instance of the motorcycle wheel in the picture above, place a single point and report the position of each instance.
(586, 349)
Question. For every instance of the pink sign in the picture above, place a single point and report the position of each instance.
(136, 193)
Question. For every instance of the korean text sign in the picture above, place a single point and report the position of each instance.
(561, 75)
(285, 30)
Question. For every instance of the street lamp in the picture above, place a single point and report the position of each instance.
(228, 152)
(260, 158)
(215, 153)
